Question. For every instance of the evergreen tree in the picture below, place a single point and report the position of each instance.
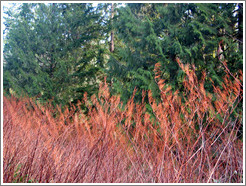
(59, 51)
(21, 70)
(151, 33)
(53, 51)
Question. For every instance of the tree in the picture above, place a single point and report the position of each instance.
(59, 51)
(21, 70)
(151, 33)
(53, 51)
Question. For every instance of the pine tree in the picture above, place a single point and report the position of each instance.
(21, 70)
(151, 33)
(59, 51)
(133, 61)
(53, 51)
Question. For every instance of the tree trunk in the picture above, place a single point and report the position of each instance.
(112, 31)
(240, 26)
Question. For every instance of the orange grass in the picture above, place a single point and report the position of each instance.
(190, 138)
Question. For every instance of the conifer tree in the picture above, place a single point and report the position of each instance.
(52, 51)
(151, 33)
(59, 51)
(21, 69)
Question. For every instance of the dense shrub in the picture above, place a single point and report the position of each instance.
(191, 136)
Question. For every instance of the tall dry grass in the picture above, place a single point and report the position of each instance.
(191, 138)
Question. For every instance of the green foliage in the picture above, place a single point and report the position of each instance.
(52, 51)
(59, 51)
(152, 33)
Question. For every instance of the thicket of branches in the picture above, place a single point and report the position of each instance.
(191, 136)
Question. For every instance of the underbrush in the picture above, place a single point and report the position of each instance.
(193, 137)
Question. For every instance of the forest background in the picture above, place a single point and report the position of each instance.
(60, 51)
